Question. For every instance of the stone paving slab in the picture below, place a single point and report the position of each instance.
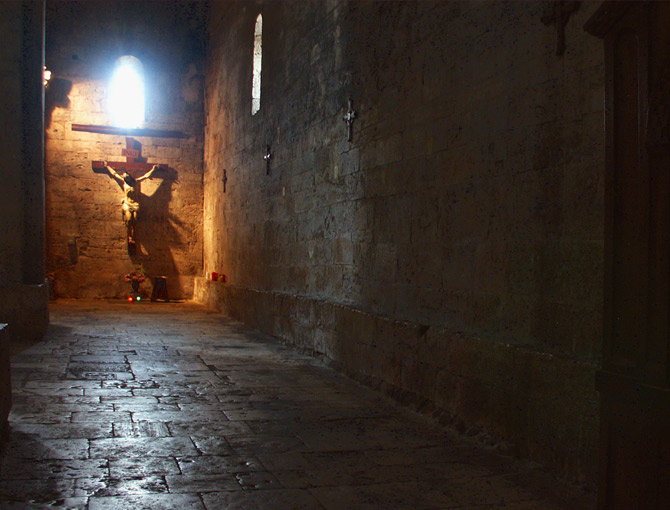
(169, 406)
(288, 499)
(148, 501)
(131, 468)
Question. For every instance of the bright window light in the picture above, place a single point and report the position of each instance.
(126, 96)
(258, 60)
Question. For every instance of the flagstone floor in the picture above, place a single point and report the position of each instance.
(169, 406)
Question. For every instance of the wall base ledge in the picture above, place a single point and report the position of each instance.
(517, 398)
(25, 308)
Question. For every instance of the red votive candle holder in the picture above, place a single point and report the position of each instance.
(215, 275)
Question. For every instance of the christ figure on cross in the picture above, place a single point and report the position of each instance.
(130, 205)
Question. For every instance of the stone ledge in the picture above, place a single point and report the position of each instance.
(5, 383)
(524, 400)
(26, 309)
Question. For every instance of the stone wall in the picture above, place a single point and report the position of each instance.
(452, 252)
(87, 250)
(23, 292)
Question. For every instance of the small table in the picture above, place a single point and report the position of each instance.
(160, 289)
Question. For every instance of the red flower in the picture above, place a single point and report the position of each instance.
(134, 276)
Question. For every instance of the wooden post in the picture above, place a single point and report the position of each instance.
(33, 143)
(634, 382)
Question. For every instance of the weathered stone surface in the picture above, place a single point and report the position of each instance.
(41, 449)
(363, 452)
(119, 448)
(452, 252)
(131, 467)
(153, 501)
(465, 380)
(283, 498)
(141, 429)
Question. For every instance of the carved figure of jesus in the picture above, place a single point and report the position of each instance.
(130, 205)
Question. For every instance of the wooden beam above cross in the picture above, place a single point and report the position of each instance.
(113, 130)
(135, 164)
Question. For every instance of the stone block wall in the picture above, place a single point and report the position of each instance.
(87, 250)
(452, 252)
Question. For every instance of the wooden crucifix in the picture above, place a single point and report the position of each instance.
(129, 174)
(558, 13)
(135, 165)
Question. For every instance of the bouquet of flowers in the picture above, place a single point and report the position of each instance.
(134, 276)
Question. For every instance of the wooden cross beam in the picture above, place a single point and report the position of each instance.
(113, 130)
(135, 164)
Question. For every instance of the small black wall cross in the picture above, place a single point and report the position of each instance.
(349, 119)
(558, 14)
(267, 158)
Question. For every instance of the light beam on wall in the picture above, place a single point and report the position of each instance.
(126, 94)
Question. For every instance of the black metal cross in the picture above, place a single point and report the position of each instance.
(349, 119)
(267, 158)
(558, 13)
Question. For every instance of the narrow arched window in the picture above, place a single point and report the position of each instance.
(126, 93)
(258, 60)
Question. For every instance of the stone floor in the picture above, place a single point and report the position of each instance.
(168, 406)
